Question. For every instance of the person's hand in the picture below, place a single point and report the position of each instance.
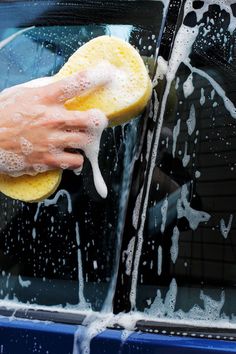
(37, 133)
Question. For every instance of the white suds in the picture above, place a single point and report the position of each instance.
(186, 157)
(53, 201)
(164, 209)
(193, 216)
(83, 304)
(202, 98)
(174, 250)
(191, 121)
(11, 163)
(128, 256)
(176, 131)
(159, 260)
(188, 87)
(91, 150)
(26, 146)
(24, 283)
(226, 229)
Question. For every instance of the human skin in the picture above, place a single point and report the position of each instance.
(37, 132)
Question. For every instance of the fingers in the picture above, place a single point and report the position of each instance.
(66, 160)
(64, 120)
(85, 121)
(79, 83)
(69, 120)
(74, 140)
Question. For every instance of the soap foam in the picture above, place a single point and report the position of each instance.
(11, 163)
(26, 146)
(91, 150)
(174, 250)
(101, 74)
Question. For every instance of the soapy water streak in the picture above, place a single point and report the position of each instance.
(176, 132)
(226, 229)
(174, 250)
(159, 260)
(127, 256)
(128, 160)
(164, 209)
(191, 121)
(227, 102)
(83, 304)
(53, 201)
(96, 323)
(94, 326)
(9, 39)
(193, 216)
(186, 157)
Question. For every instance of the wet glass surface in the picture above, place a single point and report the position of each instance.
(63, 252)
(171, 254)
(187, 263)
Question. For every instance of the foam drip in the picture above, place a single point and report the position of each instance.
(164, 209)
(226, 229)
(53, 201)
(95, 324)
(193, 216)
(191, 121)
(176, 132)
(159, 260)
(188, 87)
(83, 304)
(91, 150)
(186, 157)
(174, 250)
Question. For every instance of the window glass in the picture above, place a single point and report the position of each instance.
(177, 254)
(63, 251)
(184, 263)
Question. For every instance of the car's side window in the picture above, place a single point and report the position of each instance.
(63, 251)
(186, 258)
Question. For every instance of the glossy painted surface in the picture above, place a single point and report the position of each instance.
(23, 336)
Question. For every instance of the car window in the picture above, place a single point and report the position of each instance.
(184, 263)
(62, 251)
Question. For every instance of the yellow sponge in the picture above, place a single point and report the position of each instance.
(132, 87)
(120, 102)
(30, 188)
